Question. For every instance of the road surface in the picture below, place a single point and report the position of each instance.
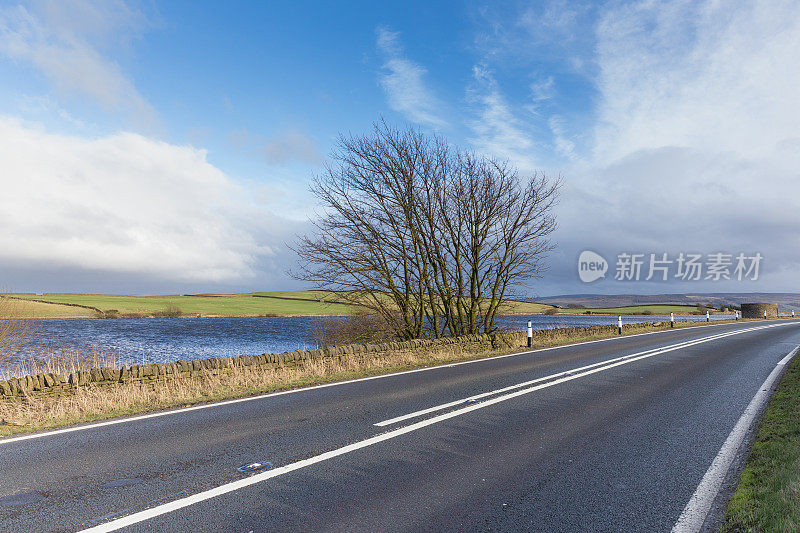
(612, 435)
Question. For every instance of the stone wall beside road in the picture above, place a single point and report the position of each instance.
(54, 385)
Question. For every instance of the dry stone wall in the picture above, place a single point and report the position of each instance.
(54, 385)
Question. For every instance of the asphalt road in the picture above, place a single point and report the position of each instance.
(619, 446)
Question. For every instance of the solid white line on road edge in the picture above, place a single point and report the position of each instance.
(322, 386)
(694, 514)
(785, 360)
(175, 505)
(476, 397)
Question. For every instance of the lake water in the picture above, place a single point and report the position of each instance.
(156, 340)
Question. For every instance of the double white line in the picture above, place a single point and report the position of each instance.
(561, 377)
(567, 375)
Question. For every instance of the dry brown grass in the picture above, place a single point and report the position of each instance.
(41, 355)
(15, 332)
(13, 307)
(171, 311)
(360, 327)
(59, 358)
(25, 349)
(92, 403)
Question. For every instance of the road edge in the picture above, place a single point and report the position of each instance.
(698, 514)
(14, 437)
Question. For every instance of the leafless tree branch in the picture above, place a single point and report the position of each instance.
(432, 238)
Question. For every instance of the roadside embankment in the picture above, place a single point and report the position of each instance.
(48, 400)
(767, 497)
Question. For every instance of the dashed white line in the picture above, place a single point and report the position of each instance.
(476, 397)
(181, 503)
(159, 414)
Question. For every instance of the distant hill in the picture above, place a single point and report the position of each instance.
(786, 301)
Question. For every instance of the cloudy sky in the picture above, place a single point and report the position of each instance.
(150, 147)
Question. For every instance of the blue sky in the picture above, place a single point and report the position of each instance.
(167, 146)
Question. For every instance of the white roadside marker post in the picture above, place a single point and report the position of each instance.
(672, 320)
(792, 313)
(708, 318)
(765, 314)
(530, 333)
(619, 324)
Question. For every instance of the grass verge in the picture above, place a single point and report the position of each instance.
(95, 403)
(767, 497)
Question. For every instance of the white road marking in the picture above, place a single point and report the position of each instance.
(181, 503)
(476, 397)
(694, 514)
(785, 360)
(159, 414)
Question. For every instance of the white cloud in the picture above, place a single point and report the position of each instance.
(563, 144)
(125, 204)
(713, 76)
(542, 89)
(552, 35)
(498, 132)
(696, 145)
(402, 79)
(37, 105)
(63, 40)
(551, 22)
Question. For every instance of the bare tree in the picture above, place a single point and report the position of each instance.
(433, 238)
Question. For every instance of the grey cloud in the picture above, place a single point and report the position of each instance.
(291, 145)
(694, 149)
(288, 146)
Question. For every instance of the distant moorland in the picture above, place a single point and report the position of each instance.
(786, 301)
(275, 303)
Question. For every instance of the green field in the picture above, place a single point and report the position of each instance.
(299, 303)
(274, 303)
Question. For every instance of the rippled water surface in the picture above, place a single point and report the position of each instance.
(146, 340)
